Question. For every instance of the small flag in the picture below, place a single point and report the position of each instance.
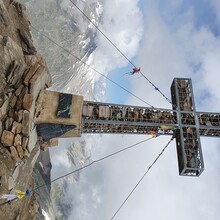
(156, 135)
(165, 127)
(20, 194)
(9, 197)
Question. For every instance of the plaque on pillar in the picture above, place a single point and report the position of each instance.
(66, 115)
(64, 105)
(58, 114)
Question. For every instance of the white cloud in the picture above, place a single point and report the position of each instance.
(172, 46)
(216, 7)
(183, 50)
(122, 24)
(176, 51)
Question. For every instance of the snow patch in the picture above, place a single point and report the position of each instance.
(45, 215)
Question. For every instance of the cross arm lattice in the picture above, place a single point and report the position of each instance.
(184, 122)
(66, 115)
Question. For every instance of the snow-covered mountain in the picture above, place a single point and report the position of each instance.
(64, 24)
(42, 175)
(78, 154)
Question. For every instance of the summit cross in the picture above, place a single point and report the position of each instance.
(69, 115)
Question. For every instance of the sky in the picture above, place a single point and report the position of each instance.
(167, 39)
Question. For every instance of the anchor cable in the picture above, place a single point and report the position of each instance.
(155, 87)
(81, 168)
(95, 161)
(103, 34)
(69, 52)
(142, 178)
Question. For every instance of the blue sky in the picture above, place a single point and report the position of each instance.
(115, 94)
(202, 16)
(177, 38)
(203, 13)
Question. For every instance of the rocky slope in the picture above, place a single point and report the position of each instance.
(66, 25)
(23, 73)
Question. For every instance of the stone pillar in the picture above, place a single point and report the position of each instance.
(58, 115)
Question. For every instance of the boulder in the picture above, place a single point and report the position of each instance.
(17, 140)
(11, 113)
(8, 123)
(13, 101)
(27, 101)
(14, 153)
(12, 51)
(4, 17)
(7, 138)
(5, 152)
(23, 92)
(27, 43)
(19, 89)
(16, 127)
(21, 9)
(24, 143)
(20, 115)
(26, 123)
(30, 60)
(20, 151)
(2, 97)
(38, 81)
(18, 104)
(4, 109)
(30, 72)
(9, 94)
(15, 116)
(15, 72)
(11, 71)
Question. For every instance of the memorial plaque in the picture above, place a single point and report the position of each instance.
(49, 131)
(64, 105)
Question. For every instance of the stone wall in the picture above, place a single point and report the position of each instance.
(18, 105)
(23, 74)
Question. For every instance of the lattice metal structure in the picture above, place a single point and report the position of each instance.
(112, 118)
(66, 115)
(184, 122)
(188, 144)
(209, 124)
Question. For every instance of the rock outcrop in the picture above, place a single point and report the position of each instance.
(23, 74)
(24, 82)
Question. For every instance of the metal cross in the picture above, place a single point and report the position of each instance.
(183, 122)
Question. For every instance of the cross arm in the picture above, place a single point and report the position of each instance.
(100, 117)
(209, 124)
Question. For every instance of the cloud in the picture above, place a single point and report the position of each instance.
(174, 44)
(216, 8)
(86, 195)
(171, 50)
(122, 24)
